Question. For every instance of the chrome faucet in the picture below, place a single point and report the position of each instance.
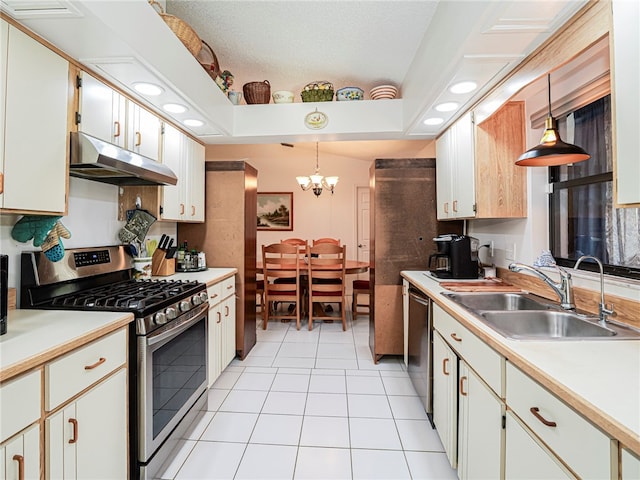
(563, 289)
(602, 307)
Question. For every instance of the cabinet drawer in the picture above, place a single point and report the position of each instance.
(75, 371)
(478, 355)
(584, 448)
(221, 290)
(19, 404)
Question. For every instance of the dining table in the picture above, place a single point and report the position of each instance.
(352, 267)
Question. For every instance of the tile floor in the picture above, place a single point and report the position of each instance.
(312, 405)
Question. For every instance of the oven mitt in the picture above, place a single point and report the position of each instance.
(136, 227)
(45, 231)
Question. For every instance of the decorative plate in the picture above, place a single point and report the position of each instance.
(316, 120)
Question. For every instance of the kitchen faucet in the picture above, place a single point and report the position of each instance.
(563, 289)
(602, 307)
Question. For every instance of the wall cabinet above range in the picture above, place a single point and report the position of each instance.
(476, 172)
(34, 137)
(106, 114)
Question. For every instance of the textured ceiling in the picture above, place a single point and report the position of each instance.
(292, 43)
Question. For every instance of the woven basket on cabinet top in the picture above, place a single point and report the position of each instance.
(208, 60)
(181, 29)
(257, 92)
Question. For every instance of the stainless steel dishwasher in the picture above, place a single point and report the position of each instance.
(420, 351)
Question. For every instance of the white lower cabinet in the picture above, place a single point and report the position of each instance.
(526, 459)
(87, 437)
(20, 456)
(222, 327)
(445, 396)
(480, 432)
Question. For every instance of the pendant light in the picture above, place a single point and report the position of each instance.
(316, 181)
(552, 151)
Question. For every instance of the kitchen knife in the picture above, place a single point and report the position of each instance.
(163, 242)
(169, 247)
(171, 251)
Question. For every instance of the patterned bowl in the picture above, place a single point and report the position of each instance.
(282, 96)
(349, 93)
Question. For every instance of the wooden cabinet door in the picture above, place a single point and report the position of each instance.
(443, 175)
(526, 459)
(173, 152)
(215, 336)
(88, 438)
(463, 174)
(22, 453)
(102, 111)
(143, 132)
(445, 396)
(480, 433)
(35, 131)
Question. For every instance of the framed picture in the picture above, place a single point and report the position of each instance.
(275, 210)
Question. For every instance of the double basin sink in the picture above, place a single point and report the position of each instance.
(527, 317)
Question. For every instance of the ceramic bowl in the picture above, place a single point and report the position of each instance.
(282, 96)
(383, 92)
(349, 93)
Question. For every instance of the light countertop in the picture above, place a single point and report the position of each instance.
(209, 276)
(600, 378)
(36, 336)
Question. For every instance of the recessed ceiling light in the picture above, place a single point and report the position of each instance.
(447, 107)
(463, 87)
(148, 89)
(174, 108)
(433, 121)
(191, 122)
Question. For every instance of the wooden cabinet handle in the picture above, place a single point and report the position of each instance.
(229, 287)
(462, 391)
(456, 337)
(182, 209)
(98, 363)
(536, 413)
(226, 310)
(446, 207)
(1, 182)
(444, 366)
(455, 205)
(116, 129)
(74, 422)
(138, 139)
(20, 460)
(193, 210)
(219, 317)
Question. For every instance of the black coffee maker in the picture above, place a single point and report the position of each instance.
(457, 257)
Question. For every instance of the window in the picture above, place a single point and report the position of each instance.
(583, 220)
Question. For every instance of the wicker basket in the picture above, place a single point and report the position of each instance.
(257, 92)
(182, 30)
(317, 92)
(208, 60)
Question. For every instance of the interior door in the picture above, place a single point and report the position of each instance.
(362, 235)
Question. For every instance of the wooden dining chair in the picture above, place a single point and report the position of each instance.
(281, 271)
(326, 277)
(360, 287)
(334, 241)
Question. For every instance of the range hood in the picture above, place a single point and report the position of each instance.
(95, 159)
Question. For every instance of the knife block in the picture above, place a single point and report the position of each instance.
(161, 265)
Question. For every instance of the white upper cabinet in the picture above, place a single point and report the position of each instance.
(625, 42)
(185, 200)
(106, 114)
(34, 91)
(102, 111)
(455, 170)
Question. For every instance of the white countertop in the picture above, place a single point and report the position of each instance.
(599, 378)
(209, 276)
(36, 336)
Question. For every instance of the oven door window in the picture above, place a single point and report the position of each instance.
(179, 370)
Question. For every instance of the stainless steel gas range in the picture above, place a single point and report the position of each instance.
(168, 339)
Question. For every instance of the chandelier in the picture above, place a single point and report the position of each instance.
(316, 181)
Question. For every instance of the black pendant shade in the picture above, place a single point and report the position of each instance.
(552, 151)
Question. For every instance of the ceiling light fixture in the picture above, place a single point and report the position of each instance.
(174, 108)
(316, 181)
(447, 107)
(191, 122)
(148, 89)
(433, 121)
(552, 151)
(463, 87)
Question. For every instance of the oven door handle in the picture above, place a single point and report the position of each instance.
(159, 337)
